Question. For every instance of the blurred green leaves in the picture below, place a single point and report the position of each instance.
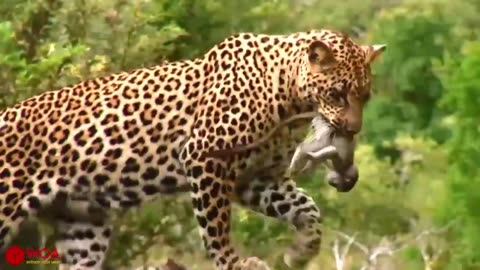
(462, 98)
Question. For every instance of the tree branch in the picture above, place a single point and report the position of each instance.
(385, 247)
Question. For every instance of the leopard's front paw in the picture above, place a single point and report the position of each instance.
(251, 263)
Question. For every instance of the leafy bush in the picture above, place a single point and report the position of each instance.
(462, 83)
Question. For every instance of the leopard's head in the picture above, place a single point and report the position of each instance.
(339, 79)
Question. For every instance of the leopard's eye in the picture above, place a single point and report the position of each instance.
(339, 97)
(336, 95)
(339, 93)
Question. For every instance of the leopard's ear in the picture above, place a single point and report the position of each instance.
(372, 52)
(321, 57)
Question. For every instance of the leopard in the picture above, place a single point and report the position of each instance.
(81, 152)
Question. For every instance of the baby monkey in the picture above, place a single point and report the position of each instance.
(322, 145)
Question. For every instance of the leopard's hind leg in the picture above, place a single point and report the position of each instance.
(82, 244)
(11, 215)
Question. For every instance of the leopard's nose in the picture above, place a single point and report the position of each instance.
(353, 125)
(353, 120)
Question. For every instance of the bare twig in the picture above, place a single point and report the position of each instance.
(386, 247)
(340, 258)
(429, 254)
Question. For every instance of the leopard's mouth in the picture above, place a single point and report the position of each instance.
(327, 135)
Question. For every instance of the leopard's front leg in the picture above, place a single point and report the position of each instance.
(211, 191)
(285, 201)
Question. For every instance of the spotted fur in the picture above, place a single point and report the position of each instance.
(120, 140)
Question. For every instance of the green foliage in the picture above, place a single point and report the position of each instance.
(138, 230)
(406, 87)
(462, 83)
